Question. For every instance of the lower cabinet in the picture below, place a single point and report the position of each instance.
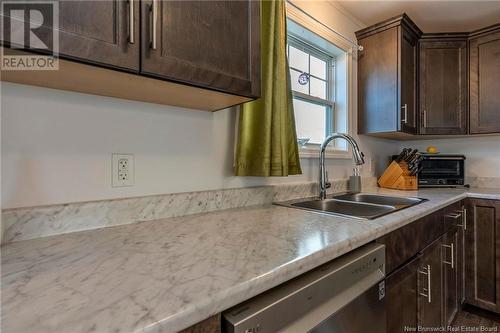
(482, 255)
(451, 270)
(429, 296)
(401, 294)
(426, 290)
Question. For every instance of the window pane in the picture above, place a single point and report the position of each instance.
(298, 59)
(310, 120)
(318, 88)
(318, 67)
(294, 77)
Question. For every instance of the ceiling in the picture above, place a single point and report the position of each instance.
(430, 16)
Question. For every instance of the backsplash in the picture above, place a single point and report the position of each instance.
(34, 222)
(483, 182)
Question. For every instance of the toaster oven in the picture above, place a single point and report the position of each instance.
(441, 170)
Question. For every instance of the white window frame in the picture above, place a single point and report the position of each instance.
(343, 63)
(329, 101)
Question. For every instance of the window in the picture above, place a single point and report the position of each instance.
(312, 78)
(319, 72)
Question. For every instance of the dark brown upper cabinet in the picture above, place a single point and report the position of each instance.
(387, 77)
(99, 32)
(104, 32)
(427, 84)
(211, 44)
(484, 71)
(443, 84)
(197, 54)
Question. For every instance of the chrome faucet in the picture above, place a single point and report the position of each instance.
(357, 156)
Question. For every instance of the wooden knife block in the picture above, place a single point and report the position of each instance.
(397, 176)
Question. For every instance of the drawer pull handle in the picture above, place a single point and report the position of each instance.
(463, 212)
(154, 22)
(131, 22)
(426, 291)
(452, 262)
(454, 216)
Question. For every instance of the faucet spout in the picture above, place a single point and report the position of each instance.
(357, 156)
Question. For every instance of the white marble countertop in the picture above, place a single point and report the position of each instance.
(165, 275)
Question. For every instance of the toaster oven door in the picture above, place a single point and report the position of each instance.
(441, 172)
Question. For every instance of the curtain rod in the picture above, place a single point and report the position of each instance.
(358, 47)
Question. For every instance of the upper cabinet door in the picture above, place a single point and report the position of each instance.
(443, 87)
(101, 32)
(408, 82)
(105, 32)
(484, 71)
(211, 44)
(377, 82)
(387, 77)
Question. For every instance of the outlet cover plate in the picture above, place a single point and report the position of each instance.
(123, 170)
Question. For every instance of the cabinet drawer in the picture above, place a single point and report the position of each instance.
(405, 242)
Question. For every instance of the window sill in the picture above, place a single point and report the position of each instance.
(330, 153)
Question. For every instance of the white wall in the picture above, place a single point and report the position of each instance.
(57, 145)
(482, 153)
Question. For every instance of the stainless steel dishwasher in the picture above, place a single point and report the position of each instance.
(346, 295)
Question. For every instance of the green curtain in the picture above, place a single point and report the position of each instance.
(267, 139)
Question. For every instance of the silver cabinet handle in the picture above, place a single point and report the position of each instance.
(454, 215)
(427, 291)
(131, 22)
(425, 118)
(464, 218)
(405, 109)
(154, 22)
(452, 262)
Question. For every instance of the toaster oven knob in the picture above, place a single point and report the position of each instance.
(441, 181)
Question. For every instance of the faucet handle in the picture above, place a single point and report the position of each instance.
(327, 181)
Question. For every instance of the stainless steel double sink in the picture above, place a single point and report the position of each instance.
(355, 205)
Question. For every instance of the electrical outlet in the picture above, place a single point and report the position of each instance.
(122, 170)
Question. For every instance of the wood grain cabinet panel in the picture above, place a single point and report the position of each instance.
(484, 71)
(482, 254)
(213, 44)
(443, 86)
(430, 286)
(387, 77)
(457, 80)
(402, 295)
(406, 242)
(408, 81)
(377, 83)
(100, 31)
(96, 31)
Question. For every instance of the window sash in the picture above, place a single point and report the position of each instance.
(329, 102)
(314, 51)
(330, 110)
